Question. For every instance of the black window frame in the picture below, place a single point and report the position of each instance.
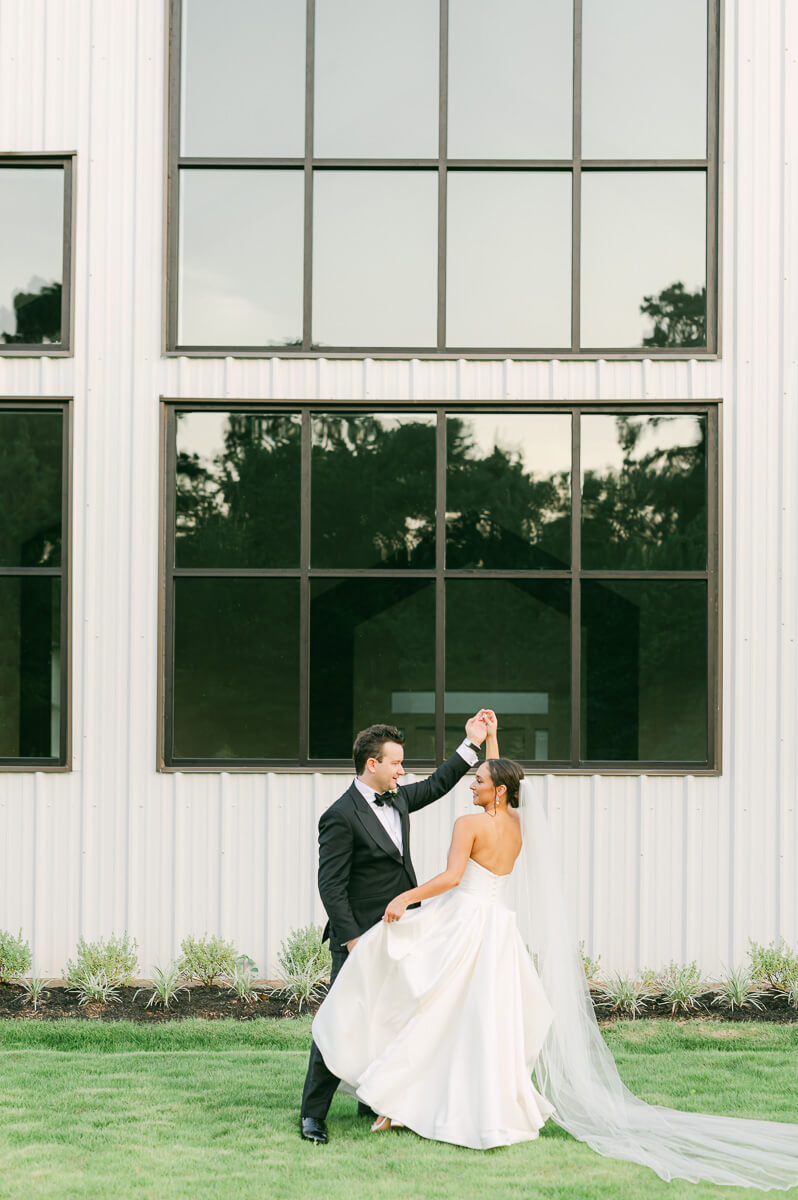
(575, 166)
(711, 409)
(63, 572)
(64, 348)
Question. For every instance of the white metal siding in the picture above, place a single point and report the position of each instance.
(656, 867)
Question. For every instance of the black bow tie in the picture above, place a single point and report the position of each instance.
(385, 798)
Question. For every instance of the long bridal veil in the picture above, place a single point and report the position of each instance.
(577, 1073)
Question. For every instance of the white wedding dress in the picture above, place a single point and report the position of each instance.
(437, 1019)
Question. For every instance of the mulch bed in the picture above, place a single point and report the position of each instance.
(775, 1009)
(210, 1003)
(216, 1003)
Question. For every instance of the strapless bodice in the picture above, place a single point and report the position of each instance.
(478, 881)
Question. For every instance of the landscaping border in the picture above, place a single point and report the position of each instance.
(217, 1003)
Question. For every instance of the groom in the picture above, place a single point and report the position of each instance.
(364, 861)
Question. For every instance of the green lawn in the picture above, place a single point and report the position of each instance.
(210, 1110)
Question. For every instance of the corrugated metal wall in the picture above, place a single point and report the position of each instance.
(657, 867)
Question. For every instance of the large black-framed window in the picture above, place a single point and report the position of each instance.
(326, 566)
(543, 181)
(36, 214)
(34, 584)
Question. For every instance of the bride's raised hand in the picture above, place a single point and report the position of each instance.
(491, 723)
(395, 910)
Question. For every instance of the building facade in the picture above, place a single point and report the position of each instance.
(372, 362)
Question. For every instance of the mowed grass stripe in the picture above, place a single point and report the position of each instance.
(644, 1037)
(181, 1111)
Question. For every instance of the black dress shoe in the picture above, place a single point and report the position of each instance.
(363, 1110)
(314, 1130)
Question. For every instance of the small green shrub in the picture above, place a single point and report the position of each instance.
(591, 966)
(117, 958)
(627, 997)
(738, 989)
(166, 986)
(649, 979)
(95, 987)
(206, 959)
(790, 992)
(304, 964)
(15, 956)
(34, 990)
(681, 986)
(242, 981)
(778, 965)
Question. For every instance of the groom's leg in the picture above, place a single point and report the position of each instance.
(320, 1084)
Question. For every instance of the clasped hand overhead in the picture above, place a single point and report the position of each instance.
(477, 729)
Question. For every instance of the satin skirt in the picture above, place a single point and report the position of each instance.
(437, 1020)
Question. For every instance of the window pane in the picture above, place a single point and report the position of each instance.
(644, 492)
(236, 678)
(243, 78)
(30, 489)
(372, 658)
(31, 264)
(508, 490)
(644, 79)
(644, 670)
(30, 667)
(238, 489)
(643, 258)
(508, 647)
(376, 79)
(508, 280)
(510, 78)
(373, 490)
(241, 245)
(375, 255)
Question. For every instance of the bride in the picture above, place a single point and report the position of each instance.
(440, 1015)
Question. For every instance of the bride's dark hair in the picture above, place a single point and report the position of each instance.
(508, 772)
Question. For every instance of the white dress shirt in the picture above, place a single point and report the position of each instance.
(387, 815)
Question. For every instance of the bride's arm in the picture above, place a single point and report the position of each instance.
(459, 854)
(491, 721)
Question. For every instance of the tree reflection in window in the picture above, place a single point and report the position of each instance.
(373, 490)
(508, 491)
(644, 492)
(679, 316)
(237, 493)
(37, 316)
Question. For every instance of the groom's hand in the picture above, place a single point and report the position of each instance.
(350, 945)
(476, 729)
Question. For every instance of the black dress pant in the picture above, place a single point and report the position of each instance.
(320, 1084)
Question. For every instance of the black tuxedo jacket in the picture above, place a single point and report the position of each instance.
(360, 868)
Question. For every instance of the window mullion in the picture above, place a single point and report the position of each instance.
(307, 250)
(713, 596)
(173, 179)
(440, 586)
(576, 194)
(576, 597)
(443, 150)
(711, 215)
(169, 575)
(65, 747)
(304, 592)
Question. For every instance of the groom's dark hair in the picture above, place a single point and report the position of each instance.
(369, 743)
